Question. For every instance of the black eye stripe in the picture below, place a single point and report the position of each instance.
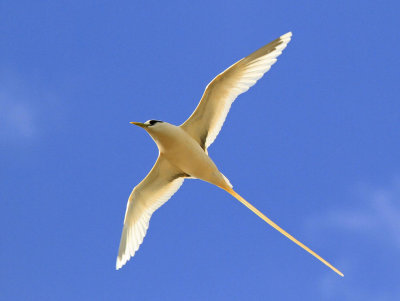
(153, 122)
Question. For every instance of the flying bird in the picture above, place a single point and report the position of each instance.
(183, 150)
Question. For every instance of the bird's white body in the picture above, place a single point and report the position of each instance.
(184, 153)
(183, 149)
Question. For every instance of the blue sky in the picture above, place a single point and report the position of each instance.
(314, 145)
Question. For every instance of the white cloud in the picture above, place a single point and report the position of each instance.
(369, 229)
(376, 212)
(29, 109)
(17, 114)
(16, 118)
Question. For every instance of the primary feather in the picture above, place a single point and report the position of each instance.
(206, 121)
(159, 185)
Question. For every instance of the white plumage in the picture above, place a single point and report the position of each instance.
(183, 149)
(145, 198)
(219, 95)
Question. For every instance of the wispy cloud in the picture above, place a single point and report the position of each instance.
(29, 108)
(17, 113)
(369, 228)
(377, 211)
(16, 118)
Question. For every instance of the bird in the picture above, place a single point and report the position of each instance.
(183, 150)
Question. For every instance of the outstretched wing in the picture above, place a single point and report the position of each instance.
(206, 121)
(159, 185)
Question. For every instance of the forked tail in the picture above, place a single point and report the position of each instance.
(271, 223)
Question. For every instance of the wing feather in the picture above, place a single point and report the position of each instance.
(206, 121)
(157, 188)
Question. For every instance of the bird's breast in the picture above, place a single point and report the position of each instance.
(186, 154)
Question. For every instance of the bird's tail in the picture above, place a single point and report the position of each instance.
(271, 223)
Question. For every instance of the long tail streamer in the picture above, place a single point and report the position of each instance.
(271, 223)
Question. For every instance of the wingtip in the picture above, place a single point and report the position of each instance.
(286, 37)
(120, 263)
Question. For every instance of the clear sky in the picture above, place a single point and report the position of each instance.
(314, 145)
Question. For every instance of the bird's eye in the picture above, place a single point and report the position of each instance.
(153, 122)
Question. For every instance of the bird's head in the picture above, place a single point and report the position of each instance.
(157, 129)
(149, 124)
